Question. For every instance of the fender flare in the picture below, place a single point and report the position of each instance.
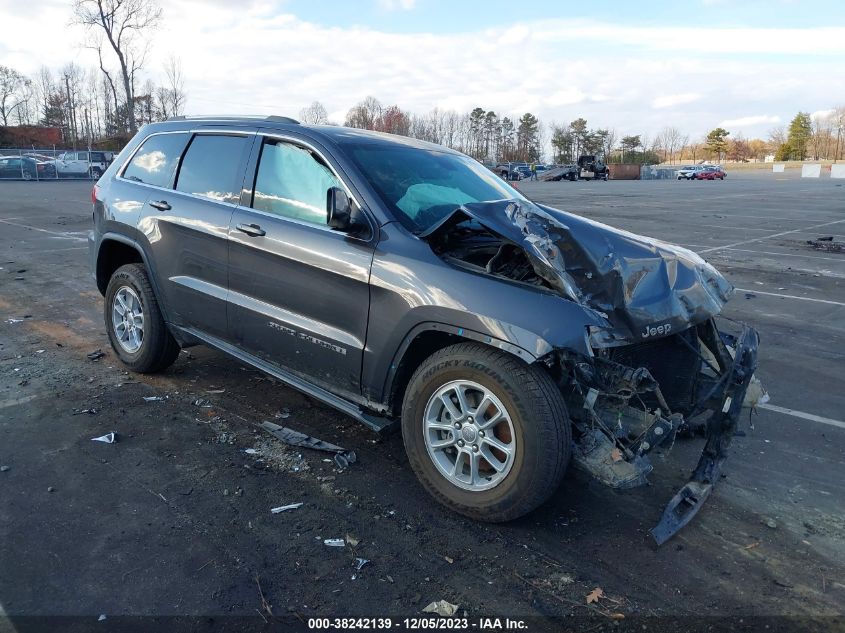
(128, 241)
(529, 357)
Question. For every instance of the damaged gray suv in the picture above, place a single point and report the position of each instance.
(403, 283)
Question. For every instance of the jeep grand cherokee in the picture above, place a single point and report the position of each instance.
(403, 283)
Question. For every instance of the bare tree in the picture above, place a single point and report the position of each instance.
(364, 114)
(670, 140)
(175, 85)
(315, 114)
(71, 84)
(12, 85)
(124, 24)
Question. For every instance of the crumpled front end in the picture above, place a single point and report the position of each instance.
(626, 402)
(656, 367)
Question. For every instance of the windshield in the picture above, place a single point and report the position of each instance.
(423, 186)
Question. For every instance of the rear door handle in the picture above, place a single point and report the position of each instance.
(161, 205)
(252, 230)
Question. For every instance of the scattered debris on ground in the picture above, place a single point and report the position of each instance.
(334, 542)
(153, 398)
(290, 506)
(108, 438)
(96, 355)
(441, 607)
(826, 244)
(342, 456)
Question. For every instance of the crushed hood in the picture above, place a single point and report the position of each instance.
(646, 288)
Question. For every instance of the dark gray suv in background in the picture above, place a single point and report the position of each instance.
(397, 280)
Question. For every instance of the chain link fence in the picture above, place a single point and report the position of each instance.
(53, 164)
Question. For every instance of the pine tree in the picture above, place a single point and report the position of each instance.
(800, 130)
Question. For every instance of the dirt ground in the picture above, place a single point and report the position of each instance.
(174, 518)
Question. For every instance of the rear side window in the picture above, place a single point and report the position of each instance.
(213, 167)
(292, 182)
(155, 162)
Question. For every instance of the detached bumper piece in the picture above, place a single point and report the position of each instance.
(721, 427)
(626, 402)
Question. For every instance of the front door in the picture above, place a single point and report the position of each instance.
(298, 291)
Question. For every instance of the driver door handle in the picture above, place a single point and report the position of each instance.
(161, 205)
(253, 230)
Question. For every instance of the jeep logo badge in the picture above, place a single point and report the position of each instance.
(656, 330)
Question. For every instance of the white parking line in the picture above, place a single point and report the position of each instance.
(777, 294)
(768, 237)
(800, 414)
(63, 234)
(746, 250)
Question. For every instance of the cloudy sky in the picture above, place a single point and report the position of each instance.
(636, 67)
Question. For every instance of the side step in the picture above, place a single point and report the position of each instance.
(379, 424)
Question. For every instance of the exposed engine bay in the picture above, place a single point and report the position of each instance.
(659, 368)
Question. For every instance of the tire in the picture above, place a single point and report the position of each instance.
(156, 348)
(535, 419)
(26, 175)
(96, 172)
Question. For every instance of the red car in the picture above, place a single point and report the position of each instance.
(710, 173)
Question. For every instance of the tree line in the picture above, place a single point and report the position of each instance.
(480, 133)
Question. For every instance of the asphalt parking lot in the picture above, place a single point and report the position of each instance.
(174, 518)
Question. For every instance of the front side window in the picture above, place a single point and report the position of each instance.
(422, 186)
(293, 182)
(155, 162)
(212, 167)
(82, 156)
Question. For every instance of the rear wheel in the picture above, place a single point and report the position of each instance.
(136, 328)
(487, 435)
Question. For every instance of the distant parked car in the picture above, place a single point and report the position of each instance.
(523, 171)
(689, 172)
(85, 164)
(26, 168)
(710, 172)
(513, 171)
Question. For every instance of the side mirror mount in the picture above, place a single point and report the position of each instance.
(341, 213)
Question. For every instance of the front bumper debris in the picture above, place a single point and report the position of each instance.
(721, 427)
(625, 403)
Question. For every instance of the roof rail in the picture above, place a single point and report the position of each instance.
(275, 118)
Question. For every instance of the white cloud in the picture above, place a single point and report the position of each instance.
(257, 59)
(669, 101)
(749, 121)
(393, 5)
(822, 114)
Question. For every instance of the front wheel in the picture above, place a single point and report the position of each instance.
(136, 328)
(486, 434)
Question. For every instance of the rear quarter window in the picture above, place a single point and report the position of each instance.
(155, 162)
